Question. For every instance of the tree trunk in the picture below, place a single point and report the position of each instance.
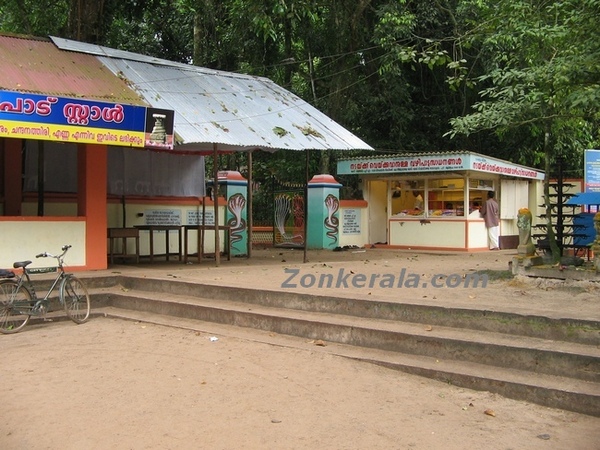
(85, 20)
(289, 55)
(548, 203)
(197, 56)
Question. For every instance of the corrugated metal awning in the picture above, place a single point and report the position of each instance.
(234, 111)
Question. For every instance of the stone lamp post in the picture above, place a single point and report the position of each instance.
(526, 256)
(526, 247)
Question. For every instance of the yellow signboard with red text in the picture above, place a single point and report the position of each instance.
(29, 116)
(66, 133)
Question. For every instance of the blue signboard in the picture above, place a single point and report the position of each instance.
(44, 117)
(592, 171)
(66, 111)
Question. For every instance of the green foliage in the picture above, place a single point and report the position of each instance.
(152, 27)
(34, 17)
(541, 78)
(543, 65)
(511, 78)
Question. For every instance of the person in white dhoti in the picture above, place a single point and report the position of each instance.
(491, 216)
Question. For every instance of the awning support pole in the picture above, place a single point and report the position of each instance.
(216, 204)
(306, 207)
(249, 210)
(40, 172)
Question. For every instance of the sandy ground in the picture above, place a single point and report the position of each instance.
(112, 384)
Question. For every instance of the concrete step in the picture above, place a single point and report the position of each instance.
(486, 347)
(546, 390)
(554, 373)
(566, 329)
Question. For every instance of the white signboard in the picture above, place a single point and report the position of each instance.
(163, 216)
(195, 218)
(351, 221)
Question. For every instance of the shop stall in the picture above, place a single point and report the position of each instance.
(432, 200)
(65, 106)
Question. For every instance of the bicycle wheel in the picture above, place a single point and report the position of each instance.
(74, 297)
(15, 306)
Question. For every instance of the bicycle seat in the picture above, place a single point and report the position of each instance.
(22, 264)
(6, 273)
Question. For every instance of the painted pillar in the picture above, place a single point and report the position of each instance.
(235, 188)
(91, 202)
(323, 206)
(13, 170)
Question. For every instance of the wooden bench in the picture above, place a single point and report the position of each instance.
(201, 229)
(124, 234)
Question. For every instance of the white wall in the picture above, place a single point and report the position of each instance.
(477, 237)
(23, 239)
(51, 208)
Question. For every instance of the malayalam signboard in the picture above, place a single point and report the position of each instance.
(165, 217)
(60, 119)
(195, 218)
(351, 221)
(592, 171)
(392, 164)
(442, 162)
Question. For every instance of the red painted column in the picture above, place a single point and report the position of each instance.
(13, 170)
(91, 202)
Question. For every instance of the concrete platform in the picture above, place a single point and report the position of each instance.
(521, 338)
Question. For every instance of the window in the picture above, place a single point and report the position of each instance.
(408, 198)
(446, 197)
(442, 197)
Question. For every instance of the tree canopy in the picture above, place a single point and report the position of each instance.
(516, 79)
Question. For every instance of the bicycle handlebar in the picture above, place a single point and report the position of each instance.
(65, 248)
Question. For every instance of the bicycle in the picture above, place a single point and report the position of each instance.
(19, 300)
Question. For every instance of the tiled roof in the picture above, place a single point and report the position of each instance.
(36, 65)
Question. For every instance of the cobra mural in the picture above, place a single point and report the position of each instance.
(298, 212)
(236, 205)
(286, 208)
(331, 221)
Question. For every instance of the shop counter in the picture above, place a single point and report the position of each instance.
(444, 232)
